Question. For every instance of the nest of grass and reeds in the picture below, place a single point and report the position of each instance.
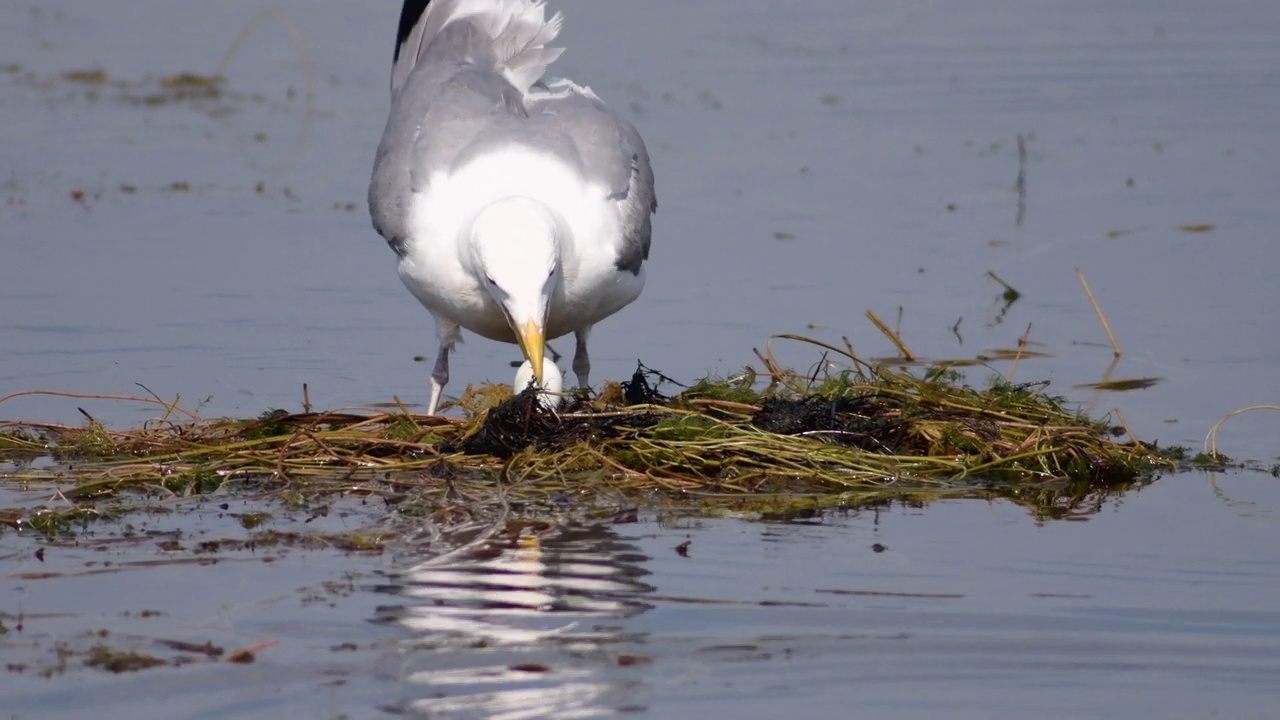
(770, 443)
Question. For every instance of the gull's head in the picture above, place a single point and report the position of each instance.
(515, 252)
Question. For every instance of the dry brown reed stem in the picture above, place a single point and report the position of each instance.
(846, 351)
(1022, 345)
(849, 348)
(770, 365)
(1211, 440)
(1125, 424)
(169, 407)
(893, 336)
(742, 409)
(1097, 309)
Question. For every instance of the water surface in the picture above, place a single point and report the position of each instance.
(813, 162)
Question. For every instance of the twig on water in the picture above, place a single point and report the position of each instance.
(1097, 309)
(1021, 183)
(1022, 345)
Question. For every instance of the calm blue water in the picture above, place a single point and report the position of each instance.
(814, 161)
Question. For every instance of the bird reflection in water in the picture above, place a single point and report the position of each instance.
(517, 623)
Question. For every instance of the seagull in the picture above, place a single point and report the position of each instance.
(519, 206)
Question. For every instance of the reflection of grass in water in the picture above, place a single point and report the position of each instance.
(112, 660)
(180, 87)
(206, 93)
(851, 437)
(211, 95)
(102, 655)
(1123, 385)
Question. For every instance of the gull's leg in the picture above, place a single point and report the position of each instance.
(439, 378)
(581, 363)
(448, 333)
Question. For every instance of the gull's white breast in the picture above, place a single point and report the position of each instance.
(436, 267)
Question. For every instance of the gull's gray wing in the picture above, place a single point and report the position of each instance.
(611, 154)
(460, 68)
(440, 110)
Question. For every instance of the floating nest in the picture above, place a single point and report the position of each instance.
(853, 438)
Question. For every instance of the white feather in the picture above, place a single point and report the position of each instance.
(433, 272)
(519, 29)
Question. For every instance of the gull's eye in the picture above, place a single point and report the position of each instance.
(489, 279)
(551, 272)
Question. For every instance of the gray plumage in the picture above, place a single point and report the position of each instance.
(466, 87)
(611, 150)
(459, 101)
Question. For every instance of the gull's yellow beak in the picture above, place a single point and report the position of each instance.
(532, 345)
